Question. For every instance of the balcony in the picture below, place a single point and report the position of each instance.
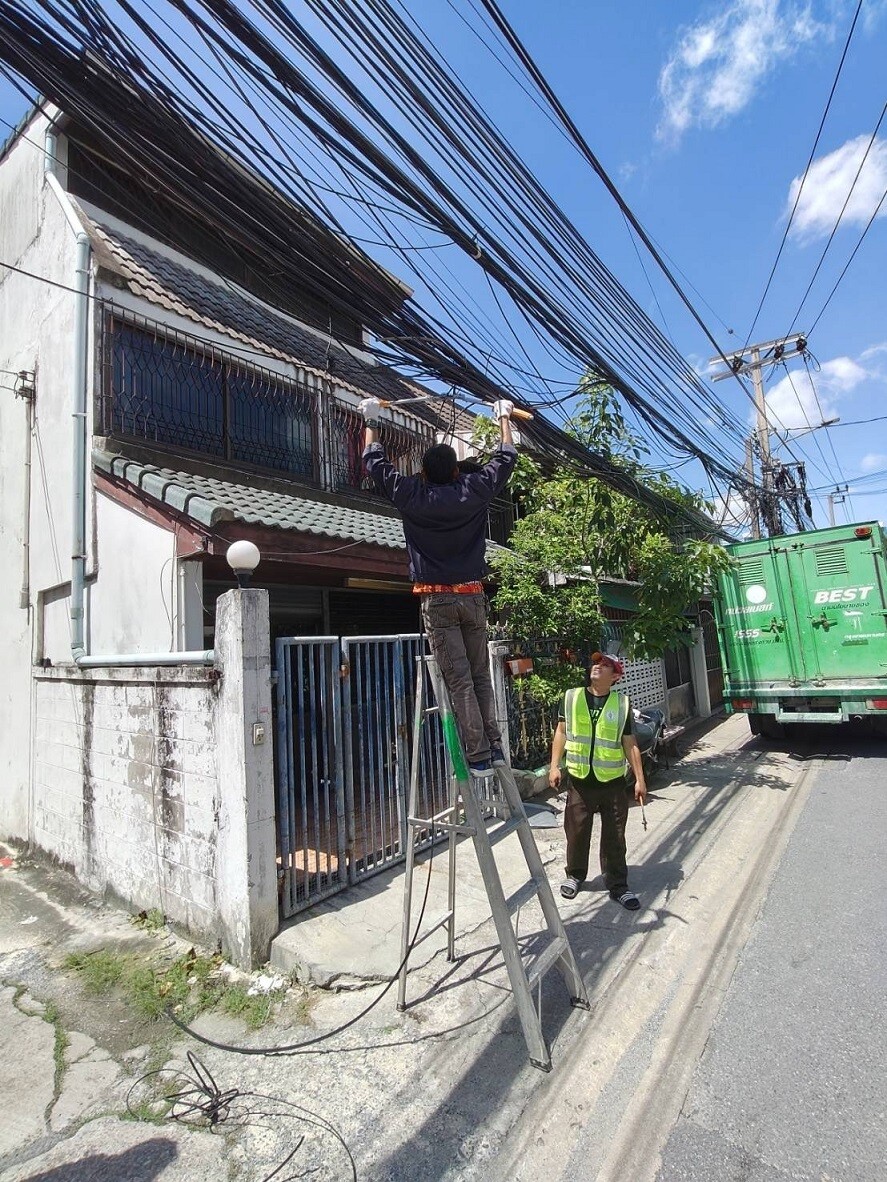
(179, 391)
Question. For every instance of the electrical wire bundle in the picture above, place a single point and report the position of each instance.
(278, 106)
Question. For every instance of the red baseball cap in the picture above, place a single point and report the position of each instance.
(615, 664)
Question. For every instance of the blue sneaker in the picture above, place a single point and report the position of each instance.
(497, 756)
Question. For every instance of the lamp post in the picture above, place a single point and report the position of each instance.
(243, 558)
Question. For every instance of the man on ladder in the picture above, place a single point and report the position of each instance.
(444, 516)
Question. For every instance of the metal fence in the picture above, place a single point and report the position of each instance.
(311, 802)
(713, 668)
(165, 387)
(344, 743)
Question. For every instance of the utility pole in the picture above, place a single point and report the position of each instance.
(751, 360)
(837, 496)
(753, 495)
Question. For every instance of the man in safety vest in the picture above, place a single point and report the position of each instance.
(595, 733)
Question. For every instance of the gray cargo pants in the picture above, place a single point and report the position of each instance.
(457, 632)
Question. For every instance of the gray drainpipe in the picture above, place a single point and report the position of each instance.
(79, 466)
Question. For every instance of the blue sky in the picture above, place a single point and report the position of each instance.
(704, 114)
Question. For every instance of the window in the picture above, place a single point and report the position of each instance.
(171, 389)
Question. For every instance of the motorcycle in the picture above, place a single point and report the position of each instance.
(649, 729)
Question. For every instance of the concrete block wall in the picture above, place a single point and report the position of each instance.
(126, 785)
(156, 784)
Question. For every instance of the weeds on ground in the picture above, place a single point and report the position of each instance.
(149, 1110)
(60, 1044)
(188, 986)
(100, 970)
(151, 921)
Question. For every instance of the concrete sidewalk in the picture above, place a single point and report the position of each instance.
(355, 937)
(428, 1094)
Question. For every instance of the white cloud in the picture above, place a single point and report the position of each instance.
(799, 400)
(829, 182)
(719, 64)
(873, 462)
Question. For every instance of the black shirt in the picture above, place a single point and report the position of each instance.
(445, 525)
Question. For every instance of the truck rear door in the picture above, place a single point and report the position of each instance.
(757, 620)
(842, 611)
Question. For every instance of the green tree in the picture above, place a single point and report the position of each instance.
(575, 531)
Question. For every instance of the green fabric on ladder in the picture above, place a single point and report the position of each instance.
(454, 746)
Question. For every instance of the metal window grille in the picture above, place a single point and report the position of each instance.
(168, 387)
(402, 447)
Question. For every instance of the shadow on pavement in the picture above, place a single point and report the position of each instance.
(458, 1131)
(141, 1163)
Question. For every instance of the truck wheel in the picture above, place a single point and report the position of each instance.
(766, 725)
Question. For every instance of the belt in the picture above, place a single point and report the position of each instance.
(476, 588)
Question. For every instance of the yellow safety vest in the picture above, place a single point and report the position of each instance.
(607, 760)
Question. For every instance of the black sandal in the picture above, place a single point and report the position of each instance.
(627, 899)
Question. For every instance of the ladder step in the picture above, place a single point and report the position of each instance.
(438, 923)
(505, 828)
(546, 959)
(443, 826)
(499, 808)
(523, 895)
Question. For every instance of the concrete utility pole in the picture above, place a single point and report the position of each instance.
(753, 495)
(750, 360)
(836, 497)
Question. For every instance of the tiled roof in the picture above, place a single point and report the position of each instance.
(178, 288)
(211, 501)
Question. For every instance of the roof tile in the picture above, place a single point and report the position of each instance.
(209, 500)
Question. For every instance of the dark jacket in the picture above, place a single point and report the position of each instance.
(445, 525)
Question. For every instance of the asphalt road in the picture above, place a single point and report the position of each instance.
(791, 1084)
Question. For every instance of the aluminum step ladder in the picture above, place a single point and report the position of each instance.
(464, 815)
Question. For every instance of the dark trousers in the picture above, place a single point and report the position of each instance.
(610, 801)
(457, 632)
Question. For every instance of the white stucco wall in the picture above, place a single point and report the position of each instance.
(131, 606)
(126, 555)
(36, 331)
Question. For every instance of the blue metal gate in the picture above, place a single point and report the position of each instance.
(344, 743)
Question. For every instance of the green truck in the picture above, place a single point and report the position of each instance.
(802, 628)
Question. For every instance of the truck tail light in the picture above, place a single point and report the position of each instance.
(743, 703)
(878, 703)
(863, 531)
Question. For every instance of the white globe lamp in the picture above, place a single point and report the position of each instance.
(243, 558)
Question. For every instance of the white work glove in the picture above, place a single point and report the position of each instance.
(502, 409)
(370, 408)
